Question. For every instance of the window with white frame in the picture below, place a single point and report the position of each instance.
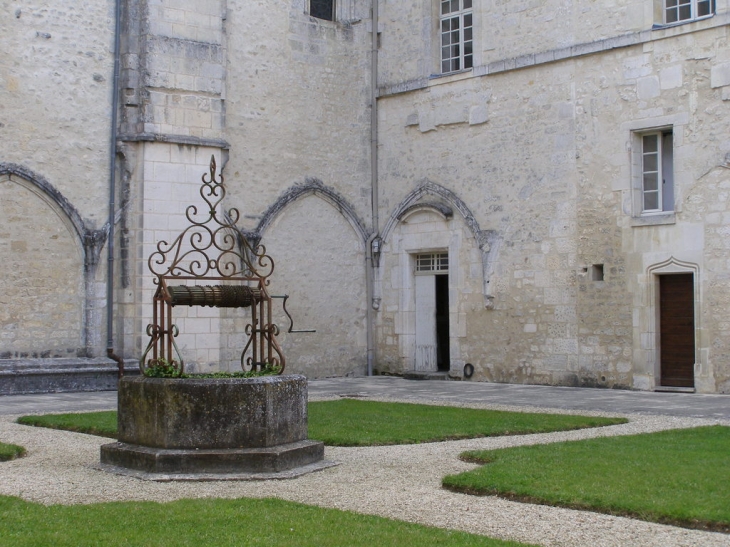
(456, 35)
(432, 263)
(322, 9)
(657, 172)
(677, 11)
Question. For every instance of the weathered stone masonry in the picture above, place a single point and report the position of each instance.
(525, 171)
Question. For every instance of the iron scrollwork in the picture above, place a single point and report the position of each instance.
(212, 249)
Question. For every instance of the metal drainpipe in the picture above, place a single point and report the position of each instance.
(374, 188)
(112, 192)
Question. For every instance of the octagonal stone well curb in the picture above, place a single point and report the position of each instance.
(213, 428)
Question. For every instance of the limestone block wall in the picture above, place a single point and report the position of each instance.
(55, 104)
(320, 264)
(545, 158)
(480, 140)
(173, 70)
(41, 276)
(55, 95)
(514, 33)
(297, 103)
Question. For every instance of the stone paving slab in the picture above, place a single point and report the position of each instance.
(688, 405)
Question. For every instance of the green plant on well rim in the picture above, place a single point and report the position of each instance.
(162, 368)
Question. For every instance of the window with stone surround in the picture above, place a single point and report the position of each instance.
(322, 9)
(430, 263)
(656, 170)
(456, 31)
(680, 11)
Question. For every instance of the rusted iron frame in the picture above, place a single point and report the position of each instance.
(250, 264)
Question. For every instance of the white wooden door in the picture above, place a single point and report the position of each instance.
(426, 323)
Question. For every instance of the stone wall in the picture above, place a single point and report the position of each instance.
(41, 276)
(55, 103)
(542, 155)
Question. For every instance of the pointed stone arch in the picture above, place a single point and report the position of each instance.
(312, 187)
(488, 241)
(673, 266)
(90, 241)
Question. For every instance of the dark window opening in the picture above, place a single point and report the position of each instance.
(322, 9)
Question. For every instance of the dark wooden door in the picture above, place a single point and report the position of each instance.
(677, 330)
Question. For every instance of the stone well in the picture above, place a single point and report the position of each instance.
(224, 426)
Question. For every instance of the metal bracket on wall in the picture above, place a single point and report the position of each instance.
(291, 321)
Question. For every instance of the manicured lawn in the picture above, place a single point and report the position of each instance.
(214, 522)
(103, 424)
(677, 477)
(10, 452)
(353, 422)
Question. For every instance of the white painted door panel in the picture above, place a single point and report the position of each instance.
(426, 323)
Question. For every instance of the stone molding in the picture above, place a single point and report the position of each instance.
(311, 186)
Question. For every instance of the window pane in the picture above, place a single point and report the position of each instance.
(703, 8)
(651, 201)
(685, 12)
(651, 182)
(446, 25)
(468, 63)
(467, 20)
(671, 3)
(671, 16)
(467, 4)
(467, 48)
(322, 9)
(445, 66)
(650, 143)
(445, 7)
(650, 162)
(467, 34)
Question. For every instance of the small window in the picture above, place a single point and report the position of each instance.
(432, 263)
(677, 11)
(456, 35)
(322, 9)
(657, 172)
(597, 272)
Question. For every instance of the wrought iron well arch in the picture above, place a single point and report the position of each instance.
(212, 249)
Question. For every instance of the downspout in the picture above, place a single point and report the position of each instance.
(112, 193)
(369, 265)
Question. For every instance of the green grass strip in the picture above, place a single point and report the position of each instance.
(675, 477)
(103, 424)
(10, 452)
(214, 522)
(353, 422)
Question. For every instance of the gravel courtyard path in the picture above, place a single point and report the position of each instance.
(400, 482)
